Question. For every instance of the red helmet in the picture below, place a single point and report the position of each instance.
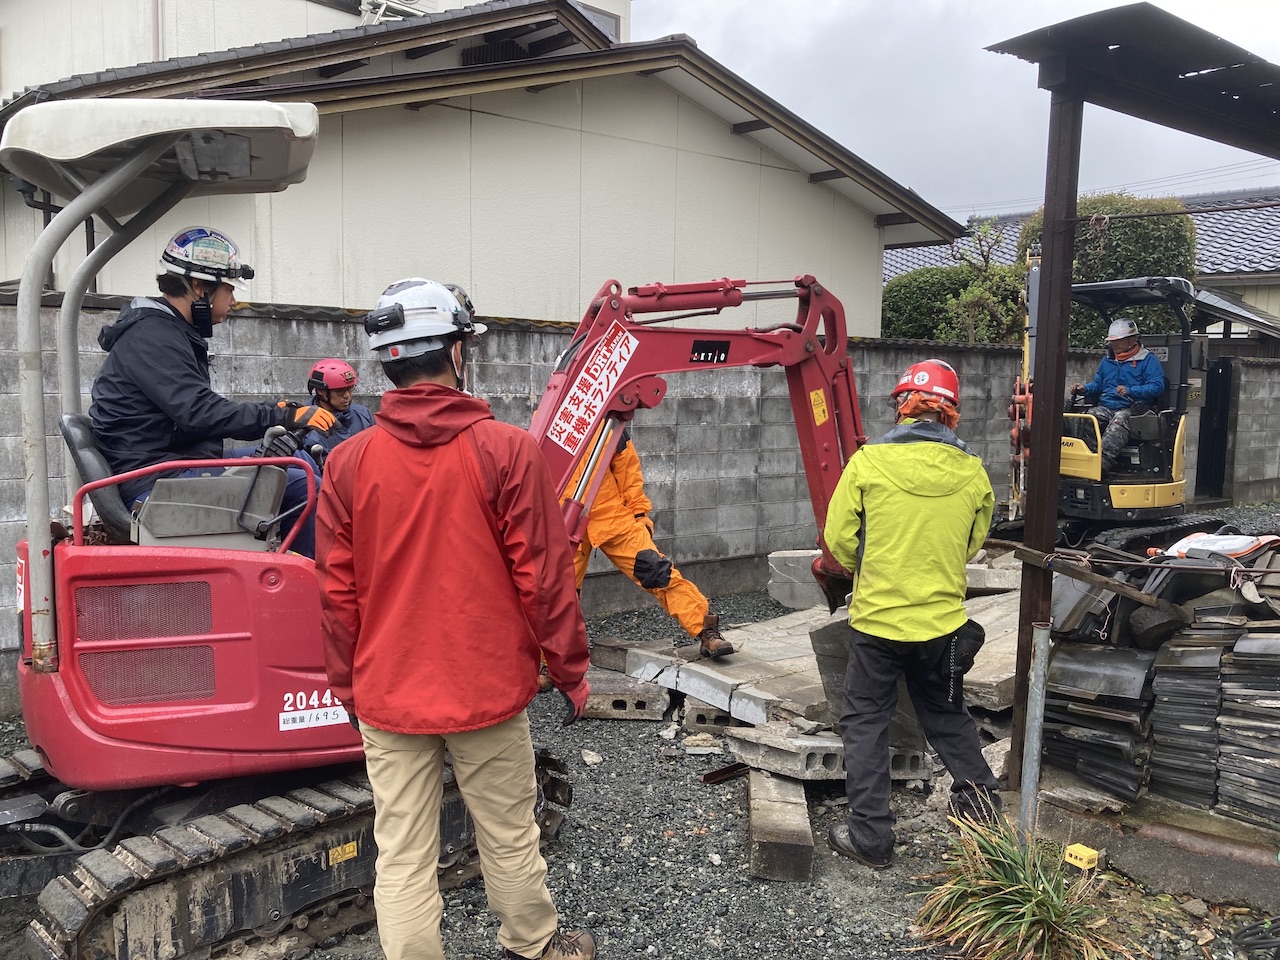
(936, 377)
(331, 374)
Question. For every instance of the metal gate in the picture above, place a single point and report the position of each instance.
(1211, 461)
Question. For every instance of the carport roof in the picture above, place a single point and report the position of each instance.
(1142, 61)
(561, 46)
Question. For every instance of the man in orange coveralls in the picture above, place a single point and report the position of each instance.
(619, 527)
(444, 572)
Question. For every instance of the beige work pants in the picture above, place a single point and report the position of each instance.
(495, 772)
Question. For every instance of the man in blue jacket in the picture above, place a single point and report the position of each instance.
(910, 510)
(152, 399)
(1128, 374)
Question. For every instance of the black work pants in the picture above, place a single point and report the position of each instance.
(870, 699)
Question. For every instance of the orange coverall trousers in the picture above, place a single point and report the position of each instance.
(618, 525)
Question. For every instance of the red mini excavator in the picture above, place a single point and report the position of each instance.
(194, 788)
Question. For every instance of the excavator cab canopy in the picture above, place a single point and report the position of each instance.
(112, 159)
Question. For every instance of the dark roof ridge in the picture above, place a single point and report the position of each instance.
(389, 27)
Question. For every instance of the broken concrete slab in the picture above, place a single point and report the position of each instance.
(751, 688)
(616, 696)
(990, 683)
(781, 846)
(791, 581)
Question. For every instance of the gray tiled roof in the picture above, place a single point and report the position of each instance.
(60, 88)
(1241, 241)
(1227, 243)
(905, 259)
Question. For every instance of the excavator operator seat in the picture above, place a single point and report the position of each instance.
(222, 511)
(77, 431)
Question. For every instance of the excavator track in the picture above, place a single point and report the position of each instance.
(1137, 539)
(267, 880)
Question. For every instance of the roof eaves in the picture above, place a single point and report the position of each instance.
(185, 75)
(799, 131)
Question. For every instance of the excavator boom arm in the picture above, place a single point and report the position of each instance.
(614, 363)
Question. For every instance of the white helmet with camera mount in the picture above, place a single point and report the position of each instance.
(416, 316)
(203, 253)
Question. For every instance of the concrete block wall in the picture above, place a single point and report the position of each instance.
(1253, 456)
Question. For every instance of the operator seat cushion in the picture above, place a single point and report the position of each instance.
(77, 432)
(1146, 425)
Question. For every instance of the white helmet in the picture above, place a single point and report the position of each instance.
(205, 254)
(416, 316)
(1120, 329)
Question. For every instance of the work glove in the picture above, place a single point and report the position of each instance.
(298, 417)
(281, 445)
(575, 699)
(353, 720)
(647, 521)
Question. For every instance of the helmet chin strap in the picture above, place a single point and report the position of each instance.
(460, 366)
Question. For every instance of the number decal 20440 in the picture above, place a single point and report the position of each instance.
(311, 708)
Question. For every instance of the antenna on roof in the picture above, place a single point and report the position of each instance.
(380, 11)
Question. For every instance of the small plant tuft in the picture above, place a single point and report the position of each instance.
(1002, 899)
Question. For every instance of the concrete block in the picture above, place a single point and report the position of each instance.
(781, 846)
(700, 717)
(791, 580)
(10, 705)
(778, 748)
(610, 653)
(983, 579)
(615, 696)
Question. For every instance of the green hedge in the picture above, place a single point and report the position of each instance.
(915, 303)
(1107, 249)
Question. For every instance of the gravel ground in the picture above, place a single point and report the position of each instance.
(655, 862)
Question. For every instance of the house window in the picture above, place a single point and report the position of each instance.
(610, 23)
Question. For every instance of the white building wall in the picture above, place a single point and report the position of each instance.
(531, 201)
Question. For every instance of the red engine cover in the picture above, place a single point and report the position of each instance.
(178, 665)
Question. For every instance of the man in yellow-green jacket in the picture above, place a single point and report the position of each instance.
(910, 510)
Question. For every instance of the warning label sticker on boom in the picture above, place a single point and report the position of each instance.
(585, 400)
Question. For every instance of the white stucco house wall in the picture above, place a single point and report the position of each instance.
(514, 147)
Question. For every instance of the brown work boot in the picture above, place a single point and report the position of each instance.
(710, 643)
(563, 945)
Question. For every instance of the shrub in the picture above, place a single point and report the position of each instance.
(915, 303)
(1002, 899)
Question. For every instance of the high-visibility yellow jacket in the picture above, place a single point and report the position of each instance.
(910, 510)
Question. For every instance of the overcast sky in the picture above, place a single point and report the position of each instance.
(907, 85)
